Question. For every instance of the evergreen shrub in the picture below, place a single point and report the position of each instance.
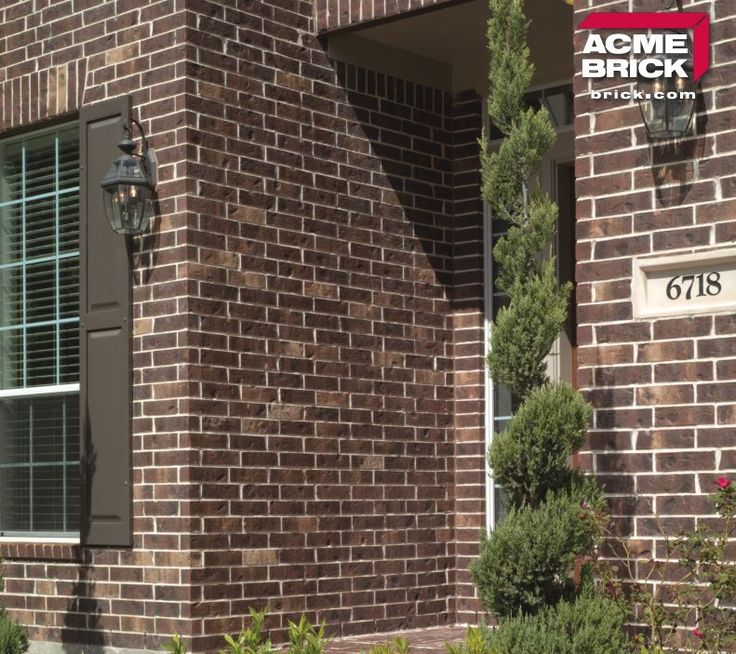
(527, 562)
(530, 457)
(590, 624)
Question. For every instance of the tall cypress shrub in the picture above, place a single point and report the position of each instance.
(526, 563)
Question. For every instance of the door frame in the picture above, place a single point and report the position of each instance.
(563, 152)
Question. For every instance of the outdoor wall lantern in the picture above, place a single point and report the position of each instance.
(129, 187)
(667, 105)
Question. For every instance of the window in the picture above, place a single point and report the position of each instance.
(500, 403)
(39, 333)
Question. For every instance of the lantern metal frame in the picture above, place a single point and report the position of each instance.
(669, 111)
(145, 179)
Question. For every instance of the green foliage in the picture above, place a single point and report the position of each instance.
(527, 561)
(396, 646)
(176, 645)
(529, 459)
(250, 640)
(508, 173)
(517, 255)
(511, 70)
(526, 564)
(695, 610)
(591, 624)
(525, 331)
(477, 641)
(13, 637)
(304, 638)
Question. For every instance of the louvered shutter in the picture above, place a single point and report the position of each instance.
(105, 338)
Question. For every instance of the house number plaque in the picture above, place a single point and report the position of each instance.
(695, 282)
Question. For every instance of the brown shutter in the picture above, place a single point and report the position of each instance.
(105, 338)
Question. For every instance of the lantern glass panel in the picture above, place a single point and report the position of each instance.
(128, 195)
(128, 207)
(653, 111)
(681, 108)
(667, 106)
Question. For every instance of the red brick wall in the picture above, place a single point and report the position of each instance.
(334, 14)
(294, 439)
(662, 389)
(54, 57)
(469, 334)
(323, 294)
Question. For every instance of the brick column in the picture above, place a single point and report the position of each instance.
(662, 388)
(54, 58)
(321, 297)
(470, 369)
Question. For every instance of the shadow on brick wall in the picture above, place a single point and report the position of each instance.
(408, 128)
(144, 252)
(675, 164)
(81, 622)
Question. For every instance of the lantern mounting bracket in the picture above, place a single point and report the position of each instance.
(147, 156)
(673, 5)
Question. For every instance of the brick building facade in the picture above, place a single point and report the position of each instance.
(661, 387)
(309, 312)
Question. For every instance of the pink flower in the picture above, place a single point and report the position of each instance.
(697, 633)
(723, 482)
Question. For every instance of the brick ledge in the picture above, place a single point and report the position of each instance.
(41, 551)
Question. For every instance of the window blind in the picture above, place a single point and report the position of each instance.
(39, 333)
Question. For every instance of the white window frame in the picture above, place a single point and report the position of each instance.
(37, 536)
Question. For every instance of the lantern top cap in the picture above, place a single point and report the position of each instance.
(127, 146)
(128, 168)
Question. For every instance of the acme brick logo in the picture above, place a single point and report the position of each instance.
(664, 50)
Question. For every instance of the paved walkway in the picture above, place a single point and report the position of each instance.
(423, 641)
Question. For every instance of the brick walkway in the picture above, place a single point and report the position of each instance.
(423, 641)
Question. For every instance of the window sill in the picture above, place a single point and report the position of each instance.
(42, 549)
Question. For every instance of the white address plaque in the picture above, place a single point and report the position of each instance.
(695, 282)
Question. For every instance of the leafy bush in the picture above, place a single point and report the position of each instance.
(176, 645)
(530, 458)
(304, 638)
(13, 637)
(527, 561)
(250, 640)
(396, 646)
(477, 641)
(696, 609)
